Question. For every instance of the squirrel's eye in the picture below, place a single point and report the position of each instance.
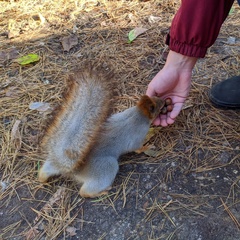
(152, 108)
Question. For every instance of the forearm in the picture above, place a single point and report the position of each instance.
(179, 61)
(196, 26)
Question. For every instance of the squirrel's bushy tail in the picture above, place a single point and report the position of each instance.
(75, 127)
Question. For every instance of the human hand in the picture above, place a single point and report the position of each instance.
(174, 82)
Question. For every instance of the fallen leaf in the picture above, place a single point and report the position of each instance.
(11, 92)
(12, 53)
(13, 33)
(75, 28)
(71, 231)
(9, 54)
(133, 34)
(3, 186)
(39, 17)
(16, 136)
(30, 58)
(132, 17)
(152, 152)
(69, 42)
(103, 24)
(231, 40)
(153, 19)
(13, 29)
(3, 55)
(142, 149)
(56, 197)
(151, 132)
(148, 149)
(39, 106)
(187, 104)
(145, 205)
(31, 234)
(231, 11)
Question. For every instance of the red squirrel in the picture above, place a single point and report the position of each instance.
(84, 142)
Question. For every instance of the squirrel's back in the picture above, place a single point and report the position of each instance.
(79, 119)
(125, 131)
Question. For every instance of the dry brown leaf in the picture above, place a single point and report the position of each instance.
(39, 17)
(152, 152)
(57, 196)
(9, 54)
(13, 29)
(188, 104)
(16, 136)
(31, 234)
(149, 150)
(69, 42)
(11, 92)
(145, 205)
(143, 149)
(153, 19)
(151, 132)
(54, 199)
(71, 231)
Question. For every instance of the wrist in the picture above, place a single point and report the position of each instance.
(179, 61)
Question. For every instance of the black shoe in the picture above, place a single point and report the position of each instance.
(226, 94)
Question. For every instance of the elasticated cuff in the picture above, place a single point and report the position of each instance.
(186, 49)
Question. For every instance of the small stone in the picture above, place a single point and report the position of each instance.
(225, 179)
(235, 171)
(173, 164)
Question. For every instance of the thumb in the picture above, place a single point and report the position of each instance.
(150, 91)
(176, 110)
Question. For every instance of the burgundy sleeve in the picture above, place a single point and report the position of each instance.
(196, 26)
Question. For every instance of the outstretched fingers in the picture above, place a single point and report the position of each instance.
(167, 119)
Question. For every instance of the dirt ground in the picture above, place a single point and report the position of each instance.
(185, 187)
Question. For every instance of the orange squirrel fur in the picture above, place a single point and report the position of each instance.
(77, 108)
(84, 142)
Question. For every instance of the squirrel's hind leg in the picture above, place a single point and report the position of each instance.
(87, 194)
(46, 171)
(99, 178)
